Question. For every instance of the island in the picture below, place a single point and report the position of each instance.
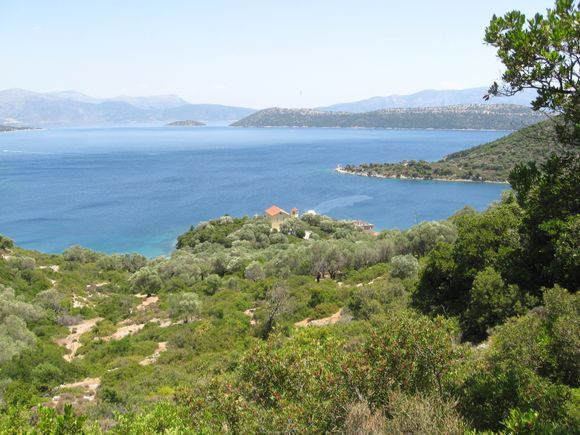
(10, 128)
(458, 117)
(490, 162)
(186, 123)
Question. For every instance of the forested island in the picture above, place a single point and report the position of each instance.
(186, 123)
(460, 117)
(488, 162)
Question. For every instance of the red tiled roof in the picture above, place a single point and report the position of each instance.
(274, 210)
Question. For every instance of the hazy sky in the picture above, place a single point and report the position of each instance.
(255, 53)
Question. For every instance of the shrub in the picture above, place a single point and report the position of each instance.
(408, 352)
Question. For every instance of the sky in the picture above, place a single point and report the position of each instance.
(253, 53)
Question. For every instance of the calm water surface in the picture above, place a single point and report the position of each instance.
(136, 189)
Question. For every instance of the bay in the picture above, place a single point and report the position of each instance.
(134, 189)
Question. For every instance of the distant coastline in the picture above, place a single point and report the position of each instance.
(12, 129)
(502, 117)
(185, 123)
(341, 170)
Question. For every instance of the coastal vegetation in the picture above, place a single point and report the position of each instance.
(460, 117)
(492, 161)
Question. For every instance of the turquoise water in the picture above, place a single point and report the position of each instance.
(136, 189)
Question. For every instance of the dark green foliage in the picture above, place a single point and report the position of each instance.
(492, 161)
(541, 53)
(213, 232)
(550, 198)
(491, 301)
(490, 392)
(485, 240)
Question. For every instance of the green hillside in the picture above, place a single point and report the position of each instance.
(458, 117)
(488, 162)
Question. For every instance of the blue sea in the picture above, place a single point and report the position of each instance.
(135, 189)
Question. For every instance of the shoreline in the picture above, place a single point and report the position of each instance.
(371, 128)
(403, 177)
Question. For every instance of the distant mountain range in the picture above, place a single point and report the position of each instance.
(429, 98)
(470, 116)
(22, 107)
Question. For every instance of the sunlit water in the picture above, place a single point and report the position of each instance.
(136, 189)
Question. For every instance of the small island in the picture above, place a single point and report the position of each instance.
(186, 123)
(9, 128)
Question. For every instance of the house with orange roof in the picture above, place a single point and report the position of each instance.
(276, 216)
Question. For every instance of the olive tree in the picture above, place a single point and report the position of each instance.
(254, 271)
(404, 266)
(184, 306)
(146, 281)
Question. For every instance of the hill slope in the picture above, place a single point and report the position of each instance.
(488, 162)
(427, 98)
(480, 117)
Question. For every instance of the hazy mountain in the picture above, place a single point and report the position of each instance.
(74, 96)
(19, 106)
(207, 112)
(467, 116)
(156, 102)
(429, 98)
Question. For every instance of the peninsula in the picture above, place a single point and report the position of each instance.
(490, 162)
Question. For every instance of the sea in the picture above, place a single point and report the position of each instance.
(135, 189)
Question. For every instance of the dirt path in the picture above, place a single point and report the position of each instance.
(71, 341)
(146, 301)
(251, 314)
(124, 331)
(331, 320)
(88, 392)
(161, 347)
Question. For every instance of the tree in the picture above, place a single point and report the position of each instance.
(404, 266)
(277, 303)
(5, 243)
(542, 53)
(549, 197)
(254, 271)
(184, 306)
(491, 302)
(423, 237)
(146, 281)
